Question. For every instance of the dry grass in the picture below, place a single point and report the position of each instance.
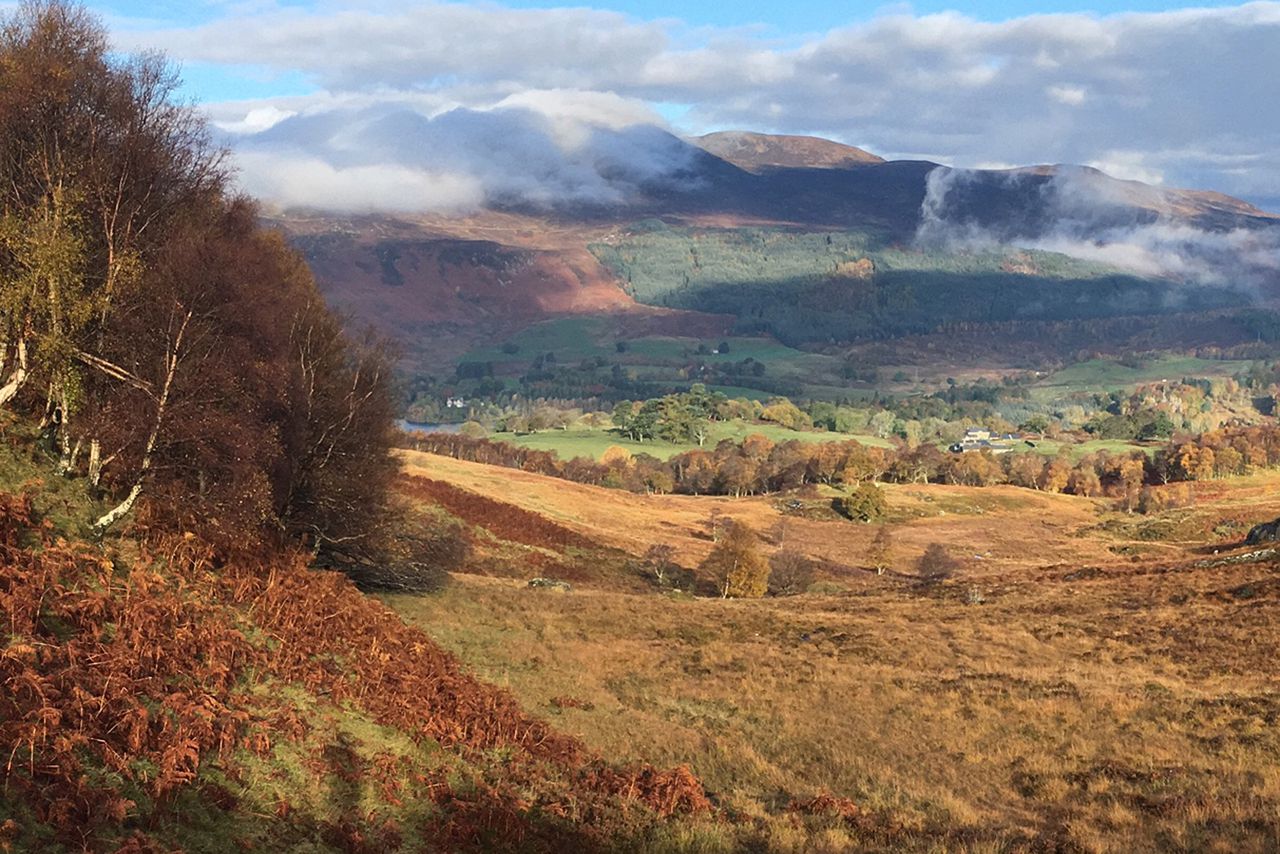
(1097, 700)
(1000, 532)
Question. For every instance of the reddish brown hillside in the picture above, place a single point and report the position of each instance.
(440, 286)
(127, 696)
(756, 151)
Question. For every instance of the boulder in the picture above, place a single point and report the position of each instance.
(1267, 532)
(550, 584)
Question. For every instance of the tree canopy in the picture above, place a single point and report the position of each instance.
(178, 355)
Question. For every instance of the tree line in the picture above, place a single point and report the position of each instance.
(174, 355)
(759, 466)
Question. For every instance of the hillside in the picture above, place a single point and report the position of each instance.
(159, 698)
(995, 580)
(439, 286)
(960, 516)
(1090, 680)
(746, 230)
(196, 461)
(755, 152)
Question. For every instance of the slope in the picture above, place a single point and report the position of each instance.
(156, 698)
(755, 152)
(443, 284)
(990, 525)
(1091, 680)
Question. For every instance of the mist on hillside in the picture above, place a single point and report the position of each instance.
(399, 159)
(1085, 214)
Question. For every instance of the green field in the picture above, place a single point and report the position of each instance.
(581, 442)
(1076, 450)
(570, 338)
(573, 339)
(1103, 375)
(585, 353)
(568, 444)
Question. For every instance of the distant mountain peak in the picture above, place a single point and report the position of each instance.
(757, 151)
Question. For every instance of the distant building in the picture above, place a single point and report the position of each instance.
(455, 403)
(977, 439)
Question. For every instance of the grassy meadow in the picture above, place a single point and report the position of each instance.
(1103, 375)
(583, 442)
(593, 442)
(660, 358)
(1089, 681)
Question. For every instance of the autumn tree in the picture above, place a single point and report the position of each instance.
(878, 551)
(864, 503)
(935, 565)
(790, 572)
(182, 352)
(735, 563)
(660, 563)
(1027, 470)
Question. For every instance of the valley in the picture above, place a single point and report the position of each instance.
(432, 428)
(1088, 677)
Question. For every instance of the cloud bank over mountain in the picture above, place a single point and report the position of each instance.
(1085, 214)
(1168, 97)
(538, 149)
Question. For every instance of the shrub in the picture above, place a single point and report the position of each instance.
(417, 557)
(660, 564)
(865, 503)
(878, 552)
(936, 565)
(736, 565)
(790, 573)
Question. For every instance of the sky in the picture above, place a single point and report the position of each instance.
(407, 105)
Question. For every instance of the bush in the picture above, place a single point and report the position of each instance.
(790, 573)
(660, 565)
(865, 503)
(936, 565)
(736, 565)
(878, 551)
(416, 556)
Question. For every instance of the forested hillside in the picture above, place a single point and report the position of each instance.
(773, 280)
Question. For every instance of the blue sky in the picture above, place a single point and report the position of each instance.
(781, 21)
(1145, 90)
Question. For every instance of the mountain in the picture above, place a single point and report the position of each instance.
(756, 152)
(935, 246)
(1038, 200)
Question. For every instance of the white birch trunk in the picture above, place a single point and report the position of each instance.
(95, 462)
(19, 376)
(171, 368)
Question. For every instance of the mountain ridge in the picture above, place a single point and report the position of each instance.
(442, 283)
(754, 151)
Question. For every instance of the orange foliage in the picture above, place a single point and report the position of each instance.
(120, 669)
(503, 520)
(148, 676)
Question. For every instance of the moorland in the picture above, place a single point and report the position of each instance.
(752, 513)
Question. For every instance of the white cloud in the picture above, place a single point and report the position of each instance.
(1128, 166)
(1071, 96)
(1086, 214)
(256, 120)
(541, 149)
(309, 182)
(1181, 95)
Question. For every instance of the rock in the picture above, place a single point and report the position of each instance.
(1267, 532)
(550, 584)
